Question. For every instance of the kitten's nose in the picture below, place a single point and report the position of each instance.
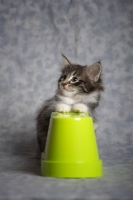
(64, 84)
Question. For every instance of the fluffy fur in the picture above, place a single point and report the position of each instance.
(79, 90)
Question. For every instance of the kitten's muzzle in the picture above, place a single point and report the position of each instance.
(65, 83)
(65, 87)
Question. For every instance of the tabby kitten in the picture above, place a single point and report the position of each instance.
(79, 89)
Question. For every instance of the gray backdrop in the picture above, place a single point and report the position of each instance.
(33, 34)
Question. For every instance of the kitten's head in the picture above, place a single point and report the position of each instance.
(77, 79)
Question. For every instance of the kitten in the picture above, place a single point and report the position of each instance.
(79, 90)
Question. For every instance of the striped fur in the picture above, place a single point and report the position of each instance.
(79, 89)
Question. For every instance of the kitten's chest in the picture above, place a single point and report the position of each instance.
(68, 100)
(86, 99)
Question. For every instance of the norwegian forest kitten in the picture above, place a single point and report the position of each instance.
(79, 90)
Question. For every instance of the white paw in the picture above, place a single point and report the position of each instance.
(62, 108)
(80, 107)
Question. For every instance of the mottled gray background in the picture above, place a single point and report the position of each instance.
(33, 34)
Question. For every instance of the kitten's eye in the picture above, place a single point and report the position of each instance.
(74, 79)
(63, 77)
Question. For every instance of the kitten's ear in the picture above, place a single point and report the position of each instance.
(65, 60)
(94, 71)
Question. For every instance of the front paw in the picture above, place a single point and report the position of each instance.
(63, 108)
(80, 107)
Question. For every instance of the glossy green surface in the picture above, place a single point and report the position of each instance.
(71, 148)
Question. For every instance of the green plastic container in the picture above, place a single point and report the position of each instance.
(71, 148)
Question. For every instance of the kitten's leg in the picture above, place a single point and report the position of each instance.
(80, 107)
(42, 129)
(61, 107)
(42, 142)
